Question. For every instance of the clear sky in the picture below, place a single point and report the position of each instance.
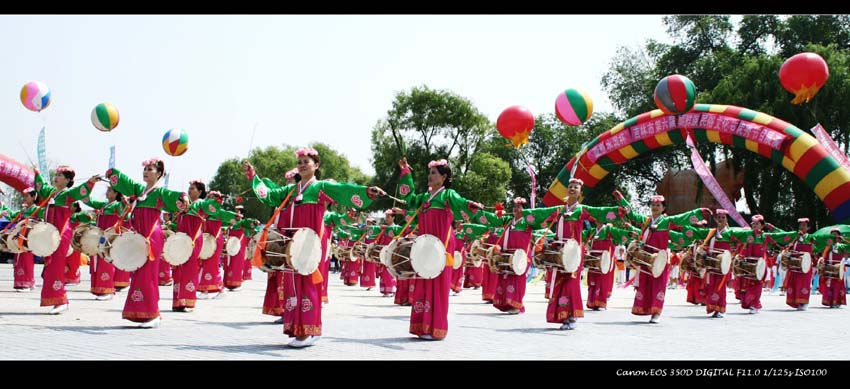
(299, 79)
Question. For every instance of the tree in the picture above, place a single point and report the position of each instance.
(740, 67)
(273, 162)
(424, 125)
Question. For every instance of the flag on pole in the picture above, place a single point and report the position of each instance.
(111, 156)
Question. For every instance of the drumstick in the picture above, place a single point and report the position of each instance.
(399, 200)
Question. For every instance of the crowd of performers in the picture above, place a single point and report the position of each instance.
(433, 244)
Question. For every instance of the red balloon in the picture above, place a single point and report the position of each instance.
(515, 124)
(803, 75)
(15, 174)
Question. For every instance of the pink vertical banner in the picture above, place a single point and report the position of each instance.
(830, 146)
(711, 183)
(533, 185)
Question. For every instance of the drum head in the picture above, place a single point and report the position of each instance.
(12, 241)
(519, 262)
(306, 251)
(660, 264)
(385, 253)
(233, 245)
(77, 236)
(43, 239)
(386, 256)
(177, 249)
(725, 262)
(90, 241)
(761, 269)
(571, 255)
(457, 260)
(428, 256)
(129, 251)
(208, 247)
(605, 262)
(806, 263)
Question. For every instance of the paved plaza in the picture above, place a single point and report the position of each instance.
(362, 325)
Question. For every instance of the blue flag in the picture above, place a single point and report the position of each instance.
(166, 179)
(111, 156)
(42, 155)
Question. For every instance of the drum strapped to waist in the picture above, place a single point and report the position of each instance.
(712, 261)
(343, 253)
(40, 238)
(178, 248)
(563, 255)
(300, 253)
(127, 250)
(753, 268)
(373, 252)
(421, 257)
(208, 246)
(598, 261)
(86, 239)
(3, 236)
(232, 246)
(480, 252)
(509, 261)
(831, 270)
(637, 256)
(797, 261)
(358, 251)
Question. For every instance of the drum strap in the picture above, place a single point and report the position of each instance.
(555, 220)
(449, 255)
(151, 256)
(708, 237)
(257, 258)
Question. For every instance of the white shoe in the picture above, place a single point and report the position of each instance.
(104, 297)
(564, 326)
(301, 343)
(155, 323)
(426, 337)
(58, 309)
(187, 309)
(513, 312)
(236, 289)
(803, 307)
(754, 311)
(278, 321)
(23, 290)
(655, 319)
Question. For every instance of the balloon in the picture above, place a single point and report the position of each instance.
(573, 107)
(675, 94)
(15, 174)
(515, 124)
(35, 96)
(803, 75)
(104, 117)
(175, 142)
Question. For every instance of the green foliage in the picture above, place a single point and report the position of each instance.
(739, 67)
